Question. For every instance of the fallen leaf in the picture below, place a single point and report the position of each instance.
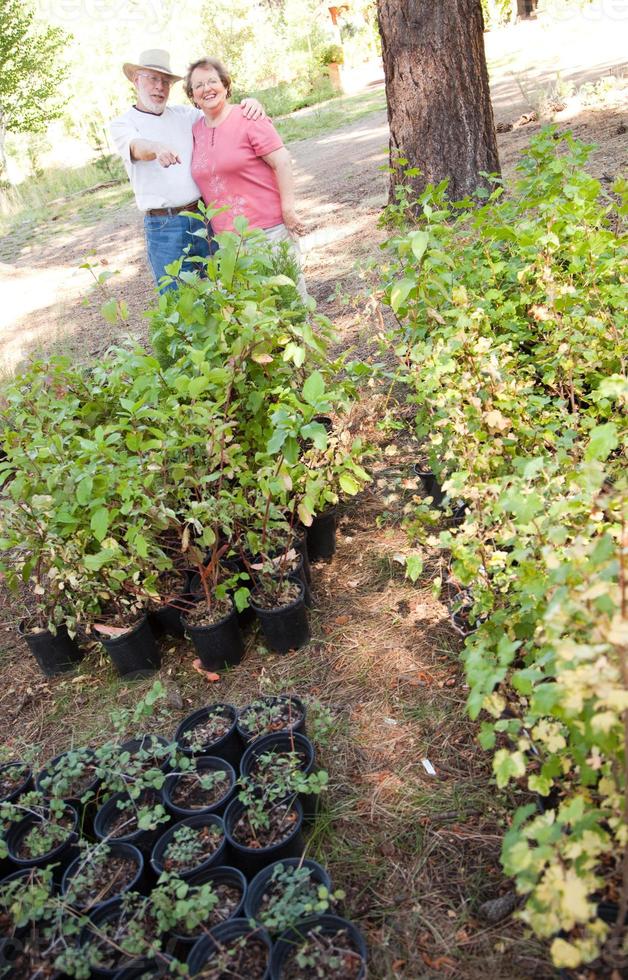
(342, 620)
(442, 963)
(398, 965)
(207, 674)
(110, 630)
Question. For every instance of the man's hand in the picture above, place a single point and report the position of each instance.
(164, 156)
(151, 150)
(293, 223)
(253, 109)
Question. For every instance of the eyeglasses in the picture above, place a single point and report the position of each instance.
(155, 79)
(208, 82)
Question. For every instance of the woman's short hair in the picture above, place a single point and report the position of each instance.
(218, 67)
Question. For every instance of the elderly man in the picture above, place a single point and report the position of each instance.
(155, 143)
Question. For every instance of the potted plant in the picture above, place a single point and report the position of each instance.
(327, 474)
(211, 730)
(15, 778)
(202, 784)
(35, 929)
(262, 827)
(173, 598)
(40, 831)
(118, 932)
(134, 817)
(232, 948)
(101, 872)
(271, 713)
(285, 761)
(321, 946)
(287, 891)
(279, 604)
(212, 622)
(188, 909)
(190, 846)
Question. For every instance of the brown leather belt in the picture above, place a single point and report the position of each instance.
(162, 212)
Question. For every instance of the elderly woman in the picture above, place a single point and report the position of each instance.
(240, 163)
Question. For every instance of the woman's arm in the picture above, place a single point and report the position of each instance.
(279, 161)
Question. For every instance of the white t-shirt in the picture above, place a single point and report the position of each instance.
(155, 186)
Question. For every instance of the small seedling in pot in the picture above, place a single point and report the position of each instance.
(31, 913)
(292, 894)
(136, 812)
(269, 715)
(12, 775)
(281, 774)
(324, 956)
(101, 874)
(52, 824)
(199, 788)
(243, 957)
(187, 909)
(211, 729)
(70, 776)
(132, 932)
(190, 846)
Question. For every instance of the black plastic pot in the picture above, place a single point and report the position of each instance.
(54, 653)
(10, 950)
(220, 645)
(105, 913)
(142, 839)
(216, 876)
(134, 654)
(146, 969)
(205, 948)
(430, 484)
(229, 747)
(203, 820)
(259, 884)
(24, 786)
(116, 849)
(287, 627)
(300, 545)
(298, 725)
(321, 535)
(285, 742)
(328, 924)
(203, 763)
(250, 860)
(60, 856)
(165, 620)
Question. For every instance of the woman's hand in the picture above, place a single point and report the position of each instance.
(292, 222)
(253, 109)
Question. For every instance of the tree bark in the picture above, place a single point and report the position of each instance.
(439, 106)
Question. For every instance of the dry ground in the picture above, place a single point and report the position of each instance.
(416, 853)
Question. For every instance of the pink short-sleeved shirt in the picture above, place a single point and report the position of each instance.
(227, 167)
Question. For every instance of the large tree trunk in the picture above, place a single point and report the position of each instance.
(439, 106)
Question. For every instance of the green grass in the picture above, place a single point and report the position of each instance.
(36, 193)
(36, 226)
(330, 115)
(279, 100)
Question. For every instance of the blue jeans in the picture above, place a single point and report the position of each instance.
(167, 236)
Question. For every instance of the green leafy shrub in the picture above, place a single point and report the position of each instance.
(511, 338)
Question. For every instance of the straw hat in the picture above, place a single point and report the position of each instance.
(156, 60)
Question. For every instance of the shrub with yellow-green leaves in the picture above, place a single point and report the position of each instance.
(511, 337)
